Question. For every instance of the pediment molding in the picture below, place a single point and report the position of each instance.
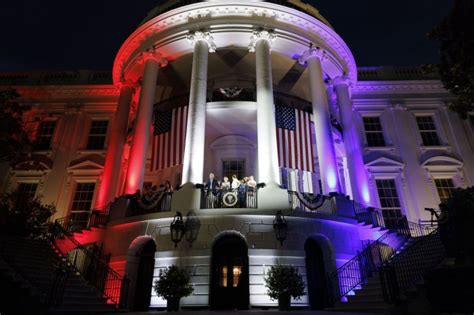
(442, 163)
(34, 162)
(89, 162)
(385, 162)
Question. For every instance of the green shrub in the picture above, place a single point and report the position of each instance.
(283, 281)
(173, 283)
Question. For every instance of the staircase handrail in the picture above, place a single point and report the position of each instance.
(430, 249)
(95, 270)
(358, 269)
(83, 220)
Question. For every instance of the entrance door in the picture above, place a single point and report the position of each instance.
(316, 275)
(145, 277)
(229, 277)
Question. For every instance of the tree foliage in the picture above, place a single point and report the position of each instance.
(283, 281)
(456, 225)
(22, 215)
(14, 139)
(173, 283)
(455, 35)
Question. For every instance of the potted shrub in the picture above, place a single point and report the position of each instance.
(172, 285)
(283, 283)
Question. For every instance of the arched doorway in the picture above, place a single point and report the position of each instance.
(319, 263)
(139, 269)
(229, 287)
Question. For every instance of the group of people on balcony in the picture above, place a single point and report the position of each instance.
(227, 194)
(153, 199)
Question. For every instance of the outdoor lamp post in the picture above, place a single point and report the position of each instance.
(177, 228)
(280, 226)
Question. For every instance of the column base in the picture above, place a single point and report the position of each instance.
(187, 198)
(273, 197)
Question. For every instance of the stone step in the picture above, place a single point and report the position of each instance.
(96, 305)
(361, 303)
(366, 298)
(77, 297)
(373, 285)
(358, 309)
(368, 291)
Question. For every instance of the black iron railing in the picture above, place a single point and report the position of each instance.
(405, 269)
(48, 276)
(357, 270)
(84, 220)
(93, 268)
(149, 203)
(232, 198)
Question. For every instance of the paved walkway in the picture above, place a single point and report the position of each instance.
(249, 312)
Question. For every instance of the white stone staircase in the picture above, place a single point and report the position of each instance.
(368, 297)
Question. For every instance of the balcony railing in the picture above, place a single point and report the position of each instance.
(310, 202)
(218, 198)
(149, 203)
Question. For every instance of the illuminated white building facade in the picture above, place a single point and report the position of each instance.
(251, 88)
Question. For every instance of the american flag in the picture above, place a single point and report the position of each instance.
(169, 133)
(294, 138)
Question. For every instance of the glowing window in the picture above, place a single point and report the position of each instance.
(445, 188)
(236, 272)
(223, 277)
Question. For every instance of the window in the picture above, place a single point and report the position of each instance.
(45, 135)
(389, 201)
(373, 132)
(234, 167)
(234, 277)
(27, 190)
(83, 197)
(97, 134)
(427, 129)
(445, 188)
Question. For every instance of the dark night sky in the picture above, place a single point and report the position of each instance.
(70, 35)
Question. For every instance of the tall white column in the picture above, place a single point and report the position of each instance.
(113, 158)
(193, 161)
(136, 163)
(268, 169)
(328, 167)
(352, 143)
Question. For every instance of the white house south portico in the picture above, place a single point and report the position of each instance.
(240, 135)
(245, 34)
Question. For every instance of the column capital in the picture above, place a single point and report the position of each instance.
(342, 80)
(312, 52)
(195, 36)
(152, 54)
(257, 35)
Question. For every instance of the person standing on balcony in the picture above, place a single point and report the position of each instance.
(212, 187)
